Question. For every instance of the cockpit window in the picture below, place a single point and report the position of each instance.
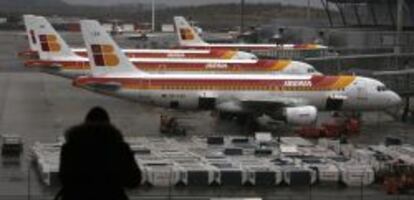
(382, 88)
(311, 70)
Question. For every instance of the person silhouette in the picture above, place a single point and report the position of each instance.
(95, 162)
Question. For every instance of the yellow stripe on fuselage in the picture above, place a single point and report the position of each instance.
(228, 54)
(280, 65)
(343, 82)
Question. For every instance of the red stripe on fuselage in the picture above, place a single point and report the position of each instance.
(317, 82)
(213, 53)
(254, 48)
(261, 65)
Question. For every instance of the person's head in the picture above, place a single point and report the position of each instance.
(97, 115)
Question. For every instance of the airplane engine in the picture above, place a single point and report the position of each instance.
(229, 107)
(303, 115)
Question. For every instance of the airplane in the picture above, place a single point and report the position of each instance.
(295, 99)
(189, 38)
(29, 20)
(57, 58)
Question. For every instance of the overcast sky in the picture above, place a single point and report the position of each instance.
(187, 2)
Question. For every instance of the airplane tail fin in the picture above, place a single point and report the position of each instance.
(187, 36)
(51, 45)
(104, 54)
(29, 23)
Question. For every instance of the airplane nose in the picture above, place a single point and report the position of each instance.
(395, 99)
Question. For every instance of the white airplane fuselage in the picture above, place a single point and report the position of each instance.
(74, 66)
(185, 92)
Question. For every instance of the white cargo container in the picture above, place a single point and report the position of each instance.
(230, 174)
(356, 174)
(197, 174)
(47, 158)
(49, 169)
(259, 171)
(316, 151)
(289, 150)
(404, 153)
(264, 175)
(333, 145)
(293, 170)
(302, 172)
(161, 174)
(326, 172)
(296, 141)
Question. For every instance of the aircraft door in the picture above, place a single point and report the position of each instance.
(362, 93)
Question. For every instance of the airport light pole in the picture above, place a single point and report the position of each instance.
(308, 11)
(400, 24)
(241, 16)
(153, 15)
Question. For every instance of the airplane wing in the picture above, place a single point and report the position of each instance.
(41, 64)
(55, 66)
(291, 110)
(259, 105)
(270, 104)
(109, 86)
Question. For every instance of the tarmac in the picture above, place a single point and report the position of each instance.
(40, 107)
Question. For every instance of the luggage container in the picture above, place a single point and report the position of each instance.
(298, 176)
(294, 173)
(356, 174)
(326, 172)
(12, 145)
(177, 154)
(161, 174)
(316, 151)
(233, 151)
(148, 160)
(296, 141)
(376, 160)
(403, 152)
(263, 137)
(265, 176)
(263, 152)
(47, 159)
(289, 150)
(258, 171)
(49, 171)
(197, 174)
(215, 140)
(240, 140)
(331, 144)
(261, 173)
(230, 174)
